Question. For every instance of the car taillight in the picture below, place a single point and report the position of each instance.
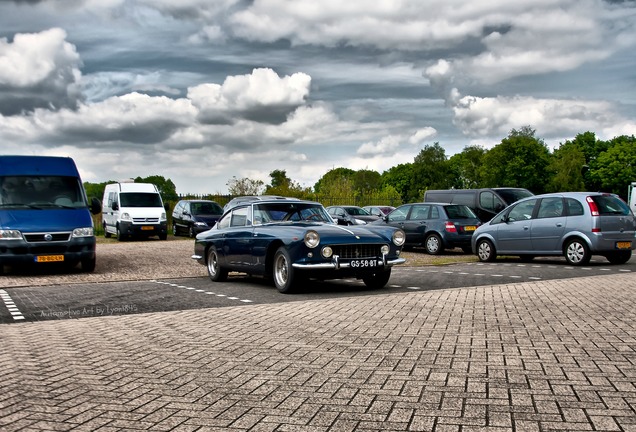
(450, 227)
(593, 206)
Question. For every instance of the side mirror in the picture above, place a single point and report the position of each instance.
(115, 206)
(96, 206)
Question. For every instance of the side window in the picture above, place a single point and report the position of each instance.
(465, 198)
(490, 201)
(550, 207)
(575, 208)
(420, 212)
(434, 212)
(224, 222)
(239, 217)
(398, 214)
(522, 211)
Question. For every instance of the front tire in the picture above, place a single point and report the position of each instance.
(377, 280)
(433, 244)
(577, 253)
(215, 271)
(486, 251)
(88, 265)
(282, 271)
(120, 236)
(106, 233)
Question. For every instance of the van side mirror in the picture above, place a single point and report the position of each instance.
(114, 206)
(96, 206)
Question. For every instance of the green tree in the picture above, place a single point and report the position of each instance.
(567, 167)
(366, 181)
(334, 175)
(431, 170)
(399, 178)
(520, 160)
(284, 186)
(615, 168)
(466, 166)
(244, 186)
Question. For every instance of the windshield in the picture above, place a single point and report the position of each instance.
(356, 211)
(205, 208)
(513, 195)
(140, 199)
(41, 191)
(278, 212)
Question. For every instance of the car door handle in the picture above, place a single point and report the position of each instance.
(559, 225)
(526, 228)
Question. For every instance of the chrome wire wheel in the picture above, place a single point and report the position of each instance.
(281, 270)
(215, 271)
(284, 275)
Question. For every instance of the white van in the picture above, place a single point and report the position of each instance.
(133, 210)
(631, 197)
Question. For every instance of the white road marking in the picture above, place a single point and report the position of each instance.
(201, 291)
(10, 305)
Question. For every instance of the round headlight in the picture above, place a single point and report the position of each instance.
(327, 252)
(399, 237)
(385, 249)
(312, 239)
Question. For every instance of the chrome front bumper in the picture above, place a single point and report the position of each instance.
(335, 264)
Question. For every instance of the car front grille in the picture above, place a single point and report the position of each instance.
(41, 237)
(354, 251)
(145, 220)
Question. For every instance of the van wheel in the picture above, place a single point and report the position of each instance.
(576, 252)
(106, 233)
(433, 244)
(619, 257)
(486, 251)
(120, 235)
(88, 265)
(163, 236)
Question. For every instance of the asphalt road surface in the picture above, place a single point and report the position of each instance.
(79, 301)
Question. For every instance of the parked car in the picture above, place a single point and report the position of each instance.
(351, 215)
(485, 202)
(191, 217)
(293, 240)
(249, 198)
(436, 226)
(576, 225)
(379, 211)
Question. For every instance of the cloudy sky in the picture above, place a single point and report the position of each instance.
(199, 91)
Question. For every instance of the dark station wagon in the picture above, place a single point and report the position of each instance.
(292, 240)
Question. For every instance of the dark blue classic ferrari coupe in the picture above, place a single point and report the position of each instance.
(291, 240)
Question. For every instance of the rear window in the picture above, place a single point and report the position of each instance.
(459, 212)
(610, 205)
(513, 195)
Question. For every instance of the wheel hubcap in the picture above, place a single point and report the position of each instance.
(213, 264)
(432, 244)
(575, 252)
(484, 251)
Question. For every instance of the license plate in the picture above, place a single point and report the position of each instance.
(147, 228)
(624, 245)
(363, 263)
(49, 258)
(470, 228)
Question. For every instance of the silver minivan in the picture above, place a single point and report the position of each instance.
(576, 225)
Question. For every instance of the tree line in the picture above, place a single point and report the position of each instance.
(584, 163)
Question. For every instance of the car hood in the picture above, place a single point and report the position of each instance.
(354, 232)
(45, 220)
(207, 218)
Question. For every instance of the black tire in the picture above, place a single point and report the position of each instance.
(576, 252)
(283, 273)
(163, 236)
(433, 244)
(191, 232)
(215, 271)
(175, 232)
(619, 257)
(377, 280)
(106, 233)
(88, 265)
(486, 251)
(120, 236)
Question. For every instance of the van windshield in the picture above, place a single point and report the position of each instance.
(513, 195)
(139, 199)
(28, 192)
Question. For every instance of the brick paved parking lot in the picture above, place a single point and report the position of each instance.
(541, 356)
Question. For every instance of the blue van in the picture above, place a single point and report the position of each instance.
(45, 216)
